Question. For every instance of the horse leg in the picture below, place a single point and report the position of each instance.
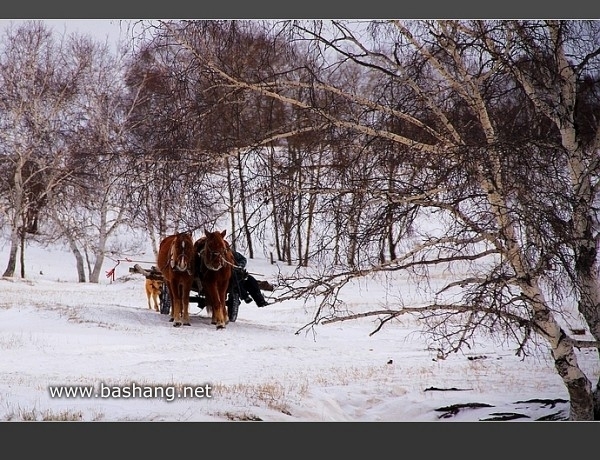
(172, 299)
(212, 300)
(185, 304)
(177, 313)
(221, 315)
(210, 310)
(224, 290)
(221, 321)
(214, 306)
(176, 301)
(224, 305)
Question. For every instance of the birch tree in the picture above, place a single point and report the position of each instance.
(453, 140)
(39, 80)
(557, 64)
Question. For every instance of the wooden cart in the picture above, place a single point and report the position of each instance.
(233, 297)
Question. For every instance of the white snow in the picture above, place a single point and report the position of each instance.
(56, 332)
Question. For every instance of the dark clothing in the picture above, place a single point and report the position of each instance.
(251, 286)
(244, 284)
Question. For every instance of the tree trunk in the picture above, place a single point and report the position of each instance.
(274, 205)
(12, 255)
(242, 188)
(22, 257)
(79, 262)
(231, 203)
(585, 251)
(579, 387)
(95, 275)
(78, 258)
(15, 224)
(545, 323)
(103, 232)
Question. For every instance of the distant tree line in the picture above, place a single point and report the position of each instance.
(354, 148)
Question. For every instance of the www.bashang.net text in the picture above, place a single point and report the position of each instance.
(131, 391)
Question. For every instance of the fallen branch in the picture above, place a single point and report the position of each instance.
(447, 389)
(153, 273)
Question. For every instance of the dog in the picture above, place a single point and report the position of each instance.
(152, 293)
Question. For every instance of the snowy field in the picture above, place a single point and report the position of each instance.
(57, 335)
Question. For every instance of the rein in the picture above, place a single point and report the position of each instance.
(214, 268)
(221, 255)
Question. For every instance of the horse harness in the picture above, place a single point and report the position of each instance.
(179, 263)
(220, 255)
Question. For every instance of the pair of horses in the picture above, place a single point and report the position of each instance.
(208, 261)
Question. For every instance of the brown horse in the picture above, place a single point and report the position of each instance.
(175, 262)
(213, 265)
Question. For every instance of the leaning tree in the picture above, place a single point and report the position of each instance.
(513, 198)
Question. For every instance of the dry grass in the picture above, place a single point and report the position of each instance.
(11, 341)
(280, 395)
(244, 417)
(348, 375)
(20, 340)
(34, 415)
(273, 395)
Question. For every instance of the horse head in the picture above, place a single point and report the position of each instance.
(214, 250)
(181, 253)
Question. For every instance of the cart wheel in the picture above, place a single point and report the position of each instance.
(165, 300)
(233, 305)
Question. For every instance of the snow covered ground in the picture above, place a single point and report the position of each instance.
(57, 335)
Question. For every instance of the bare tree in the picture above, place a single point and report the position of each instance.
(39, 81)
(557, 64)
(188, 118)
(460, 163)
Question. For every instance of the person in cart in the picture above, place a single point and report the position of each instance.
(245, 284)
